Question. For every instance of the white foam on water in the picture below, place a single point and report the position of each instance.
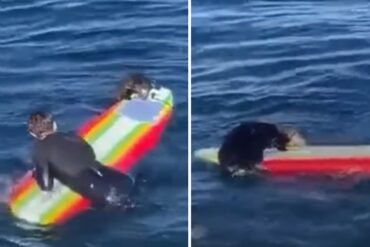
(22, 241)
(6, 183)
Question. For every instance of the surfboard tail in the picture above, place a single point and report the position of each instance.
(209, 155)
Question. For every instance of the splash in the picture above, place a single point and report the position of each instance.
(6, 182)
(199, 232)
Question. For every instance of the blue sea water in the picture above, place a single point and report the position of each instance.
(305, 63)
(68, 57)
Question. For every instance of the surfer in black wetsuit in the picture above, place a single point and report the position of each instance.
(71, 160)
(242, 149)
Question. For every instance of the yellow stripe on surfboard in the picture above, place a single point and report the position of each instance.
(67, 197)
(209, 155)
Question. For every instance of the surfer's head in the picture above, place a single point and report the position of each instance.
(134, 86)
(41, 124)
(290, 138)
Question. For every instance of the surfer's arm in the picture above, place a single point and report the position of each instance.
(43, 178)
(88, 148)
(42, 173)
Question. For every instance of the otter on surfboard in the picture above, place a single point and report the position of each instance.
(106, 147)
(275, 149)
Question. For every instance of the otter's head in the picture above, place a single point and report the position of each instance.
(134, 86)
(290, 138)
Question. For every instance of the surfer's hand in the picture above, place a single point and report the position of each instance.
(239, 173)
(33, 172)
(34, 175)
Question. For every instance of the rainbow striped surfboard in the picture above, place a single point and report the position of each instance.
(119, 137)
(307, 160)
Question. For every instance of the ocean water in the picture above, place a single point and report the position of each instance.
(68, 57)
(305, 63)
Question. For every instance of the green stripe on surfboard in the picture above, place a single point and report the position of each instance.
(210, 154)
(30, 193)
(26, 207)
(101, 129)
(168, 100)
(123, 143)
(125, 139)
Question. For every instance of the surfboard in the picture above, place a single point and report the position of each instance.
(119, 136)
(308, 159)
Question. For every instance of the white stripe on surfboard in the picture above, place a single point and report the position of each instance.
(207, 154)
(322, 151)
(210, 154)
(38, 205)
(108, 141)
(43, 202)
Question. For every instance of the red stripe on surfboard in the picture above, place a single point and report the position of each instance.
(144, 144)
(77, 207)
(124, 164)
(23, 184)
(89, 124)
(82, 203)
(329, 164)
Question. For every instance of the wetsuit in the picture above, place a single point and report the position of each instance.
(71, 160)
(244, 145)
